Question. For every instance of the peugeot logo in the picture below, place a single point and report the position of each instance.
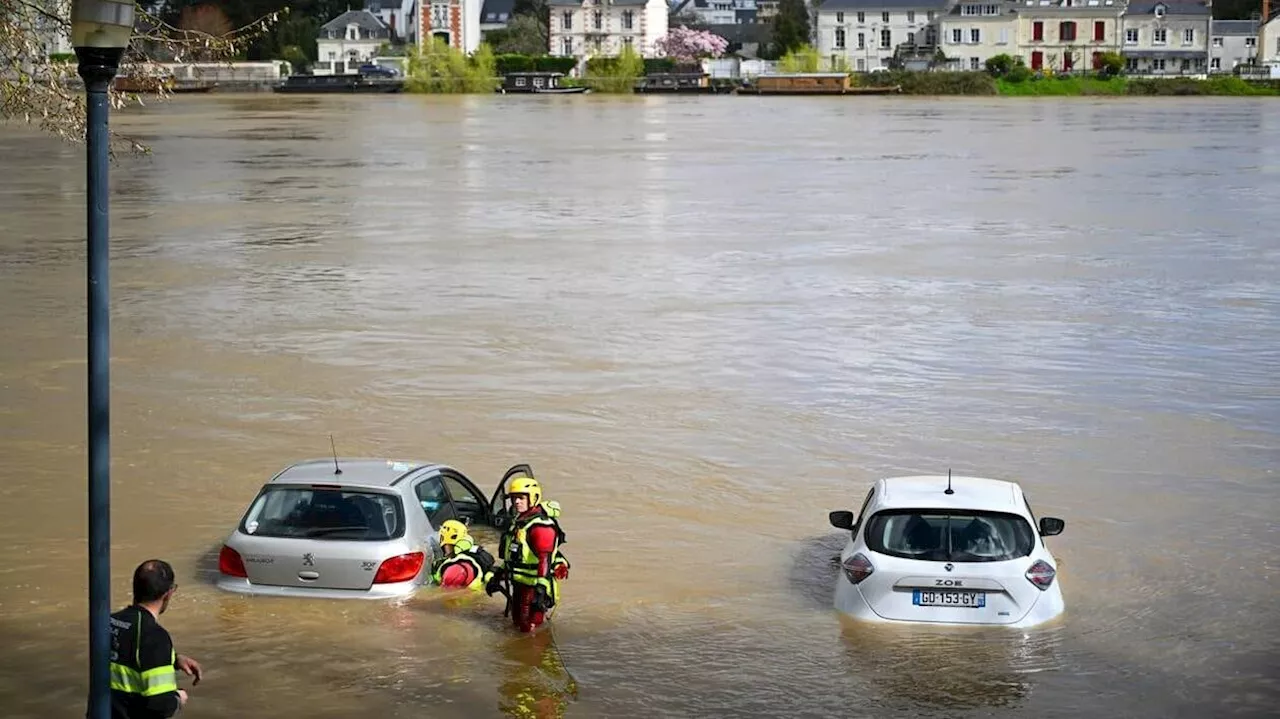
(948, 566)
(308, 560)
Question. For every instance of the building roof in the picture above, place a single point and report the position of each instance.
(879, 5)
(743, 33)
(1077, 7)
(362, 19)
(1235, 27)
(497, 11)
(1172, 7)
(578, 3)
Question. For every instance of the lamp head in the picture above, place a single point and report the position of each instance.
(102, 23)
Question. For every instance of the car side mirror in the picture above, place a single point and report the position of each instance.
(840, 519)
(1050, 526)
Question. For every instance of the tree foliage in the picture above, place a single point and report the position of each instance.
(615, 74)
(540, 11)
(45, 90)
(438, 68)
(685, 45)
(790, 26)
(523, 35)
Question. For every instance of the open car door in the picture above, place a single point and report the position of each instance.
(498, 502)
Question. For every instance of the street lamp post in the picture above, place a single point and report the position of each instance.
(100, 32)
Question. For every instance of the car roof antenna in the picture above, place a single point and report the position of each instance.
(336, 468)
(949, 489)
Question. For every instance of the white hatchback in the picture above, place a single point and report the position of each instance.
(948, 550)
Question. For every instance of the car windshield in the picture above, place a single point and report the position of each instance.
(950, 536)
(315, 513)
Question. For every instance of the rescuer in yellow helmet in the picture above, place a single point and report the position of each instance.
(465, 563)
(532, 564)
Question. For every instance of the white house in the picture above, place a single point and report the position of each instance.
(1234, 42)
(866, 34)
(1068, 35)
(601, 28)
(1269, 38)
(972, 33)
(400, 17)
(1166, 37)
(348, 41)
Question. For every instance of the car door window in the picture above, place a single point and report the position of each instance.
(435, 501)
(469, 506)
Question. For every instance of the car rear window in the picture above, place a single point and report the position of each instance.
(950, 536)
(314, 513)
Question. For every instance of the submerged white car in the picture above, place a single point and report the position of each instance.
(948, 550)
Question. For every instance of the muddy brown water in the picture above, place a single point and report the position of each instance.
(705, 322)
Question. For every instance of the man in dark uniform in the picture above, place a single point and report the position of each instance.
(144, 667)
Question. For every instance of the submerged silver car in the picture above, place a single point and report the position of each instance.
(352, 528)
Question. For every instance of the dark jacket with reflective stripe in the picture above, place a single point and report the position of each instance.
(144, 682)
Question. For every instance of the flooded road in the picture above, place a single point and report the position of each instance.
(705, 322)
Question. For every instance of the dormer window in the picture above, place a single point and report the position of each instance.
(1160, 10)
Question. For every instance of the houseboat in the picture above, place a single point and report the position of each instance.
(339, 83)
(546, 83)
(812, 83)
(144, 83)
(681, 82)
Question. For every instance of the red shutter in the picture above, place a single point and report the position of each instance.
(1099, 30)
(1097, 61)
(1037, 31)
(1068, 61)
(1037, 59)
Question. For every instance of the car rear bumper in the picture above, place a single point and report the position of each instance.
(240, 585)
(850, 601)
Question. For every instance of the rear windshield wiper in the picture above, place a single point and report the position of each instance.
(322, 531)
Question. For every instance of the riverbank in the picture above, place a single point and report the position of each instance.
(981, 83)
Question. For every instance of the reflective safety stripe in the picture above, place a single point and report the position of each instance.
(160, 680)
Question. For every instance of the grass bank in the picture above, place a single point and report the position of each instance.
(982, 83)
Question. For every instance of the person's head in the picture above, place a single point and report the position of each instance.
(524, 493)
(153, 581)
(452, 534)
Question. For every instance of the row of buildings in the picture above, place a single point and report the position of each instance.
(1155, 37)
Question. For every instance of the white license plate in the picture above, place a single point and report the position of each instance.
(948, 598)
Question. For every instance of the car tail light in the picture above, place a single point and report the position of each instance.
(230, 563)
(400, 569)
(1041, 574)
(857, 568)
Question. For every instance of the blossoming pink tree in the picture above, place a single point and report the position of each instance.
(688, 46)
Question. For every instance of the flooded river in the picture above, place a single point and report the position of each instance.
(705, 322)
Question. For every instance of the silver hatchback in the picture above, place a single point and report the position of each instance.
(352, 528)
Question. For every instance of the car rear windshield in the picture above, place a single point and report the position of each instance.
(314, 513)
(950, 536)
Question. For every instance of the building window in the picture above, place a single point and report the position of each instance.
(862, 17)
(911, 16)
(886, 39)
(597, 20)
(1216, 63)
(975, 35)
(628, 41)
(566, 20)
(566, 46)
(929, 16)
(1131, 36)
(1037, 31)
(971, 10)
(1189, 36)
(1253, 42)
(1158, 64)
(1097, 61)
(628, 20)
(1037, 60)
(1130, 64)
(840, 18)
(991, 10)
(1159, 10)
(1186, 65)
(862, 65)
(1159, 36)
(957, 35)
(1068, 61)
(1217, 42)
(840, 38)
(911, 38)
(1067, 31)
(884, 16)
(975, 63)
(1004, 36)
(1099, 30)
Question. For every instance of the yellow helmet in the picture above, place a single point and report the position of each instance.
(525, 485)
(452, 532)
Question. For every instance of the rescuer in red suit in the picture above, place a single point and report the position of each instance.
(530, 549)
